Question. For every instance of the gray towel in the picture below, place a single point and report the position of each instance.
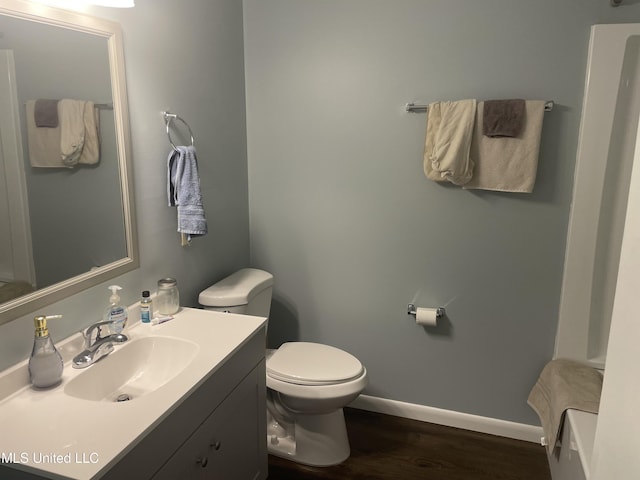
(503, 118)
(46, 113)
(184, 191)
(564, 384)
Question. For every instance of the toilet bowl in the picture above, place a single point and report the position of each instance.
(308, 384)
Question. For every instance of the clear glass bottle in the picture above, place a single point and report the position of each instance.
(146, 307)
(168, 298)
(45, 363)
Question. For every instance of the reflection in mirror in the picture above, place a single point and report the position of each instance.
(65, 184)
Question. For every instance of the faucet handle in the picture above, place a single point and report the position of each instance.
(88, 333)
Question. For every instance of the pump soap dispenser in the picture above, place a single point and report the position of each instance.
(45, 363)
(116, 314)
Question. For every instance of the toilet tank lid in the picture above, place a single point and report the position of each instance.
(239, 288)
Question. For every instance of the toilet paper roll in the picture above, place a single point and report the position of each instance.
(427, 316)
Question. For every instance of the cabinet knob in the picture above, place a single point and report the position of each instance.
(215, 445)
(202, 461)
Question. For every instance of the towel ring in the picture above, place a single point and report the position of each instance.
(168, 117)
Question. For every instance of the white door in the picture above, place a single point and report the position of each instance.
(16, 253)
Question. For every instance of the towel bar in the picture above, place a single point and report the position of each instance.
(415, 107)
(168, 117)
(100, 106)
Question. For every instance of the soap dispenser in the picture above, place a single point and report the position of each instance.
(45, 363)
(116, 314)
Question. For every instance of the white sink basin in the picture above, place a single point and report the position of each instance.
(135, 369)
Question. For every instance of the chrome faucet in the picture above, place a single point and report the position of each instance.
(98, 348)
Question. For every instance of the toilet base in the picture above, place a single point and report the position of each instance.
(317, 440)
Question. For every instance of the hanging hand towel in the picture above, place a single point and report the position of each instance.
(507, 164)
(72, 131)
(184, 191)
(46, 113)
(503, 118)
(44, 143)
(564, 384)
(448, 141)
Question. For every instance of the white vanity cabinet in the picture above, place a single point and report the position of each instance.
(572, 459)
(208, 420)
(218, 432)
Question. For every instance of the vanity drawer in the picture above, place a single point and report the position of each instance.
(230, 444)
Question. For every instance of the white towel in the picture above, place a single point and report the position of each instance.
(44, 142)
(72, 131)
(448, 141)
(507, 164)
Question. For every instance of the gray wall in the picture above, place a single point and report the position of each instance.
(190, 61)
(340, 211)
(343, 216)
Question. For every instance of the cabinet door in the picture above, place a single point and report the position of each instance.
(231, 443)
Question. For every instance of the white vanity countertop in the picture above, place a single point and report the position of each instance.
(53, 434)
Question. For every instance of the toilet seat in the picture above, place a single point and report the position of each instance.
(306, 363)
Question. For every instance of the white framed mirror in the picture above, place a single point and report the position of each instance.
(67, 228)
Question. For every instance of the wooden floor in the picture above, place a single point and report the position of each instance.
(393, 448)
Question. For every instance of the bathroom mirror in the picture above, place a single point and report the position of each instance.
(68, 228)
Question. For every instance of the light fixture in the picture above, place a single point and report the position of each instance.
(81, 4)
(113, 3)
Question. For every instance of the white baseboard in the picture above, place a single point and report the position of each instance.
(476, 423)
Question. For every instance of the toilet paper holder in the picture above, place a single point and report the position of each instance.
(411, 310)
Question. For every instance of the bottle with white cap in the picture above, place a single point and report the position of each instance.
(116, 314)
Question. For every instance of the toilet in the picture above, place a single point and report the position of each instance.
(308, 384)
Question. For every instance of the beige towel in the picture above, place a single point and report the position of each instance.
(76, 139)
(507, 164)
(91, 151)
(72, 131)
(44, 143)
(564, 384)
(448, 141)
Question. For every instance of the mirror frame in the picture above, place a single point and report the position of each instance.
(111, 31)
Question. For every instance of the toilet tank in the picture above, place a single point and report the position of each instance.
(246, 291)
